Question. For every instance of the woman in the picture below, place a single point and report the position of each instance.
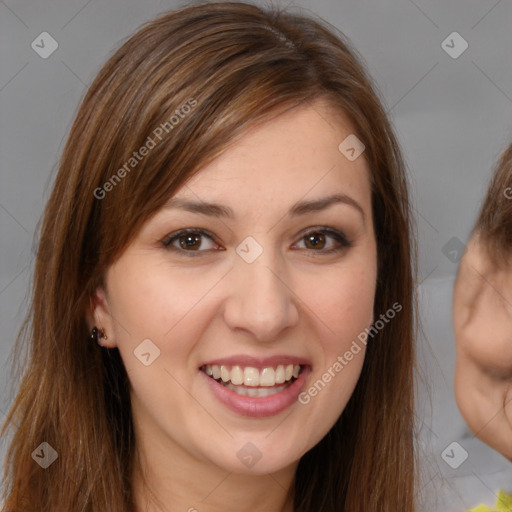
(230, 223)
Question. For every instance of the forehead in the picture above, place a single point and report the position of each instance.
(293, 155)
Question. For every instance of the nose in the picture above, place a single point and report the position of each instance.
(260, 301)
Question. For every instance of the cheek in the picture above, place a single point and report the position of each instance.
(340, 314)
(485, 338)
(158, 302)
(340, 317)
(340, 302)
(171, 309)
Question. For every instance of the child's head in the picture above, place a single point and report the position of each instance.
(270, 116)
(482, 312)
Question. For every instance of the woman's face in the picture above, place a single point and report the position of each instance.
(239, 336)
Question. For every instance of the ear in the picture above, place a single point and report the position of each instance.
(469, 282)
(98, 315)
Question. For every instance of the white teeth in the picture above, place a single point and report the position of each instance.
(268, 377)
(237, 376)
(255, 392)
(253, 377)
(280, 374)
(224, 374)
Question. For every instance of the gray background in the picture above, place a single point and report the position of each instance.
(452, 116)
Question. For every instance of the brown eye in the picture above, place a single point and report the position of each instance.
(315, 241)
(190, 241)
(324, 241)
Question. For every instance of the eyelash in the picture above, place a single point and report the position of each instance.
(338, 236)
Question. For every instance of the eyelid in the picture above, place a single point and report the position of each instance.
(185, 231)
(322, 229)
(338, 235)
(168, 239)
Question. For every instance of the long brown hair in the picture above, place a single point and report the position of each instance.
(236, 64)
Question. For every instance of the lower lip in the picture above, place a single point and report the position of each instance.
(258, 407)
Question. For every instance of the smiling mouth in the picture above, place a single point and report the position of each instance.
(254, 382)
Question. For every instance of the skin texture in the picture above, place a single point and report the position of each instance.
(292, 300)
(482, 312)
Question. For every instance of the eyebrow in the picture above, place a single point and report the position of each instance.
(299, 208)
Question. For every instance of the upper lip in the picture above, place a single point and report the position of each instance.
(257, 362)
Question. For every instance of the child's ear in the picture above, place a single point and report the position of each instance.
(469, 282)
(98, 315)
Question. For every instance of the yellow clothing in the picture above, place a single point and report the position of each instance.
(504, 504)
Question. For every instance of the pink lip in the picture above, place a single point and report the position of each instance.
(258, 362)
(258, 407)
